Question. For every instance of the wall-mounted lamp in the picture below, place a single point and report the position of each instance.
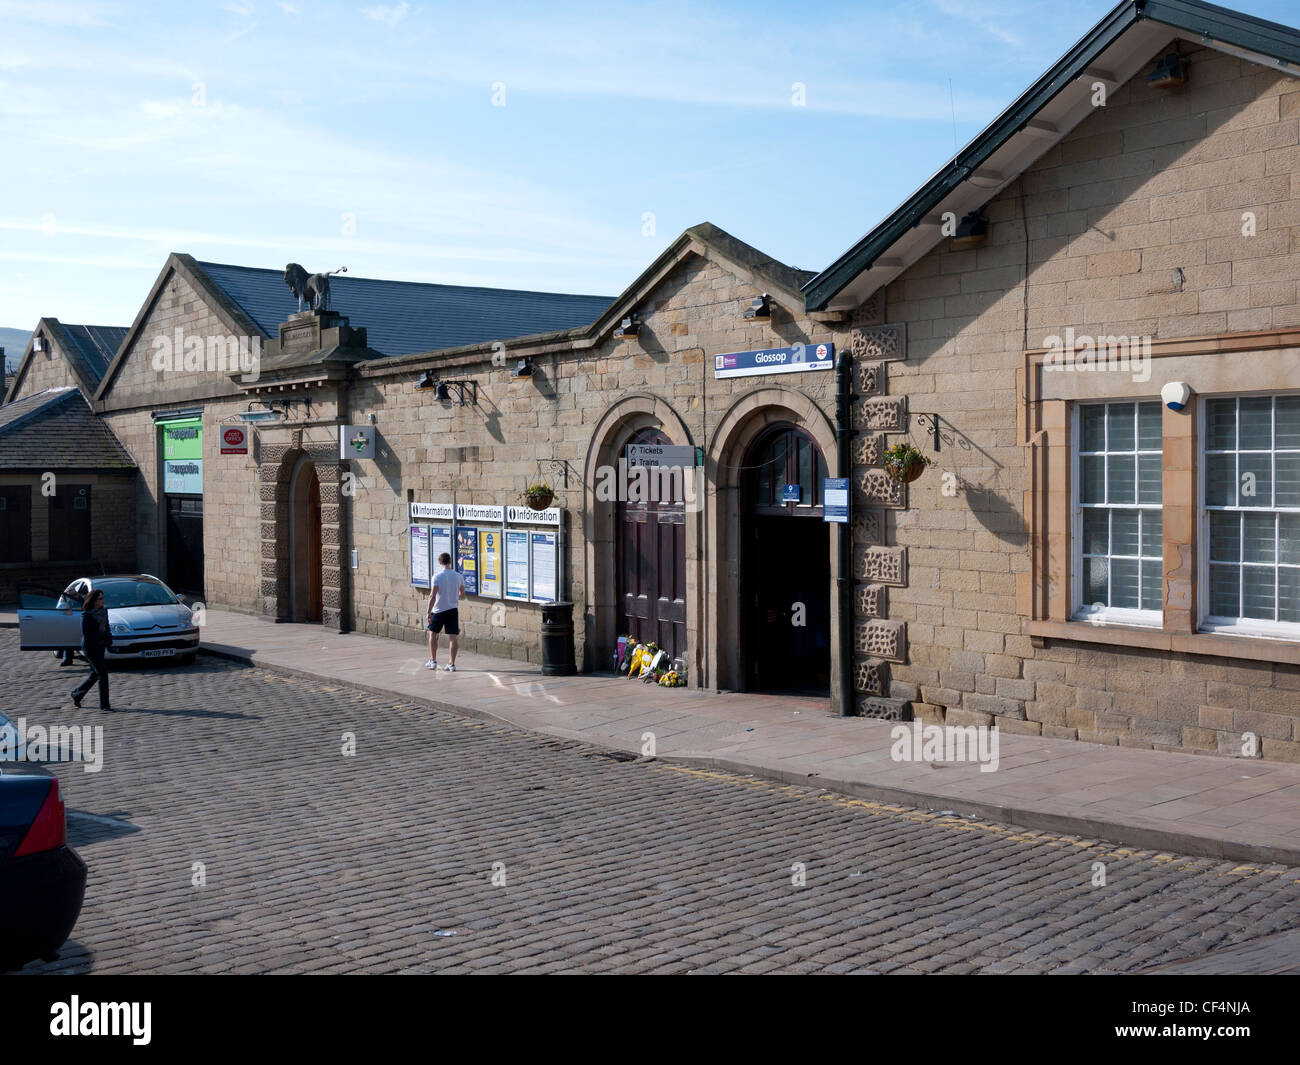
(426, 380)
(972, 231)
(524, 368)
(1170, 72)
(270, 412)
(759, 310)
(628, 328)
(442, 391)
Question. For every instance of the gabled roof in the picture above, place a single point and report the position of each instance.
(1111, 52)
(56, 430)
(707, 240)
(87, 349)
(401, 317)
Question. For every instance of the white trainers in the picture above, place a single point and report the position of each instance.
(449, 668)
(431, 664)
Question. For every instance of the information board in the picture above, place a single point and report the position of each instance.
(466, 556)
(544, 555)
(835, 500)
(418, 536)
(489, 563)
(516, 564)
(439, 543)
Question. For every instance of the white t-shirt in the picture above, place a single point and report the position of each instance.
(446, 584)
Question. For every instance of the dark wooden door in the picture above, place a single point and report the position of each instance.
(652, 566)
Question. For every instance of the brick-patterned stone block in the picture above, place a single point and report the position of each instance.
(869, 528)
(872, 601)
(869, 449)
(870, 676)
(268, 530)
(330, 515)
(881, 638)
(329, 494)
(884, 708)
(881, 565)
(869, 378)
(273, 455)
(885, 342)
(275, 567)
(882, 413)
(329, 535)
(875, 488)
(269, 587)
(330, 599)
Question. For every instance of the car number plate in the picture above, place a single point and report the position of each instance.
(161, 652)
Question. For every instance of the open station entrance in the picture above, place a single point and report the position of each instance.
(785, 565)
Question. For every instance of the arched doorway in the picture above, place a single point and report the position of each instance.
(786, 564)
(651, 564)
(305, 542)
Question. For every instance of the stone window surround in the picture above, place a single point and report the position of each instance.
(1264, 362)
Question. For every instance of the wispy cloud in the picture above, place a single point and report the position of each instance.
(389, 14)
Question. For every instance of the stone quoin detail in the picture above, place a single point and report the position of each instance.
(871, 676)
(879, 342)
(869, 527)
(886, 413)
(869, 378)
(881, 565)
(883, 708)
(881, 638)
(868, 449)
(875, 488)
(872, 600)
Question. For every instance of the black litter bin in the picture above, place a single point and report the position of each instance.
(557, 640)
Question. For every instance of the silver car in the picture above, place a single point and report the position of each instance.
(146, 619)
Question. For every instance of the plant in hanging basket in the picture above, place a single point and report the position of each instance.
(539, 496)
(904, 463)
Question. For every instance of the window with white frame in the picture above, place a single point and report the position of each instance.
(1252, 514)
(1117, 534)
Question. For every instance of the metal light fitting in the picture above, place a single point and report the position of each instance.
(1170, 72)
(628, 328)
(972, 231)
(442, 391)
(760, 309)
(524, 368)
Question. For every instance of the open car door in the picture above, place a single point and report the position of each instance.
(48, 620)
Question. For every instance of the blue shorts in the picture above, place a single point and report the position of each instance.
(446, 621)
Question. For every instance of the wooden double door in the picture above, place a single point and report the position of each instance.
(651, 563)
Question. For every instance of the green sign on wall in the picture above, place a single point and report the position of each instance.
(183, 440)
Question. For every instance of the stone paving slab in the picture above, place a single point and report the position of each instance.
(1142, 798)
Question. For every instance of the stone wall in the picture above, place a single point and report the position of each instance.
(1133, 225)
(112, 532)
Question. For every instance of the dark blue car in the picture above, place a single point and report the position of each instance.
(42, 879)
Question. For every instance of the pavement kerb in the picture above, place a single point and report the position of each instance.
(1018, 817)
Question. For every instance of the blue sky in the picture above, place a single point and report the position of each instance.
(366, 135)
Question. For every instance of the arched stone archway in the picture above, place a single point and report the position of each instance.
(739, 427)
(278, 463)
(620, 422)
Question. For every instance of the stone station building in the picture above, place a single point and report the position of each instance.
(1082, 561)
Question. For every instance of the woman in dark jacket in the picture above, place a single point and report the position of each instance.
(96, 638)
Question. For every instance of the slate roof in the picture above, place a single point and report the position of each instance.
(97, 344)
(56, 430)
(404, 317)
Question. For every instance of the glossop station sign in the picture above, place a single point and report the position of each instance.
(797, 359)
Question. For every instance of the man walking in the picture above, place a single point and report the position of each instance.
(96, 638)
(443, 611)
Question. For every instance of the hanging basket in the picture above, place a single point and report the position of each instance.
(904, 463)
(907, 474)
(539, 496)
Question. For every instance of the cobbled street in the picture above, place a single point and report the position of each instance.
(320, 862)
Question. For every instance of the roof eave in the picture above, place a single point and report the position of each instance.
(819, 292)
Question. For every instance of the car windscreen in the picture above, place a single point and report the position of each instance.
(134, 593)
